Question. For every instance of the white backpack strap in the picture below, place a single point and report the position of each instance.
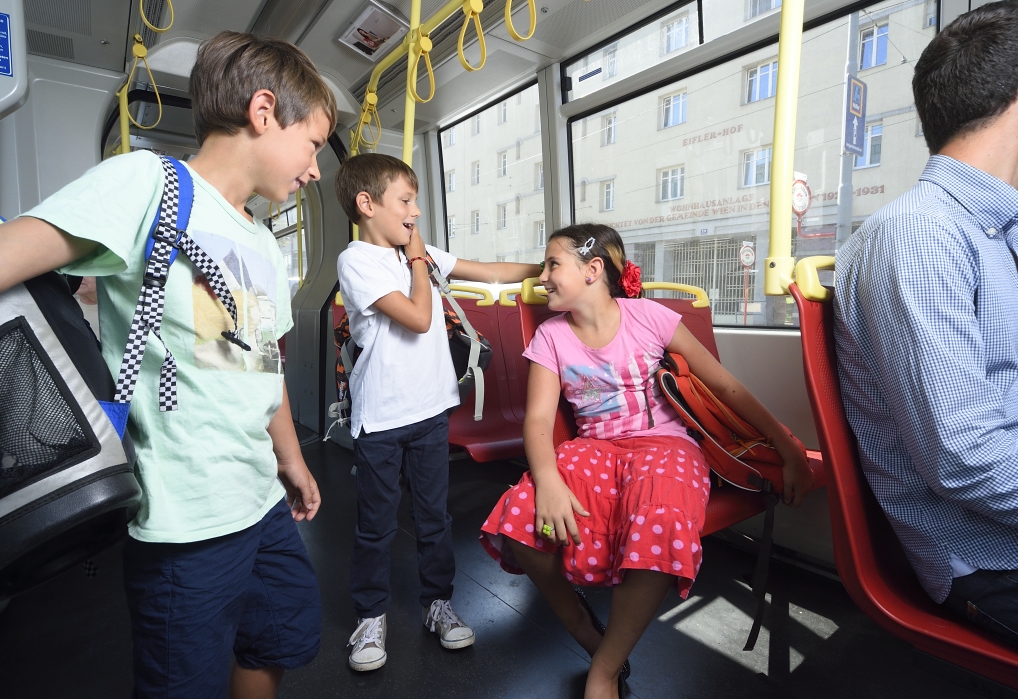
(473, 367)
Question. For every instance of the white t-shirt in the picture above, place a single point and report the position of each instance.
(401, 377)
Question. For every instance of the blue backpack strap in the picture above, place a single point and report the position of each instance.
(185, 199)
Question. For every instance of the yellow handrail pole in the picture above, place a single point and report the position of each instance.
(410, 104)
(125, 124)
(779, 265)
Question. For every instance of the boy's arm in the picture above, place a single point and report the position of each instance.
(494, 272)
(413, 313)
(30, 247)
(798, 479)
(301, 489)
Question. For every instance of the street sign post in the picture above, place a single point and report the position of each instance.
(855, 116)
(747, 257)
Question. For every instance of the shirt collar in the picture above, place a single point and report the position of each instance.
(991, 201)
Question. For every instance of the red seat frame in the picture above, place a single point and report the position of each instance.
(727, 505)
(870, 561)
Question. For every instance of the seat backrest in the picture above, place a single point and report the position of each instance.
(870, 561)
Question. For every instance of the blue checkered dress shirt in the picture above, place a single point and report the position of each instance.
(926, 326)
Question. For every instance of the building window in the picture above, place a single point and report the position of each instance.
(931, 13)
(676, 33)
(609, 129)
(475, 222)
(871, 146)
(673, 183)
(874, 47)
(759, 7)
(611, 61)
(476, 128)
(542, 239)
(500, 216)
(673, 110)
(503, 111)
(450, 136)
(503, 163)
(756, 167)
(761, 81)
(450, 226)
(539, 175)
(608, 198)
(450, 181)
(475, 172)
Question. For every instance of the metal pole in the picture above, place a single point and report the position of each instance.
(778, 268)
(409, 111)
(844, 228)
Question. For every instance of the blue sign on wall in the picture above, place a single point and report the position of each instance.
(855, 117)
(6, 60)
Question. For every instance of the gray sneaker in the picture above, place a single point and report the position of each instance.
(368, 643)
(441, 619)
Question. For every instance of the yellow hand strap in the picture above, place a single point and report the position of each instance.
(141, 9)
(141, 54)
(419, 48)
(369, 121)
(472, 10)
(531, 4)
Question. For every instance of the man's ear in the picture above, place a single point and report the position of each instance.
(365, 206)
(261, 110)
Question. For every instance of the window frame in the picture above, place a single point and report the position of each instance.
(662, 124)
(503, 111)
(501, 217)
(750, 15)
(680, 180)
(868, 146)
(475, 173)
(539, 177)
(746, 163)
(747, 94)
(475, 222)
(876, 35)
(542, 234)
(610, 61)
(608, 195)
(610, 129)
(450, 180)
(450, 226)
(665, 26)
(503, 163)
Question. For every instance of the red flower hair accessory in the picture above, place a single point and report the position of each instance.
(631, 283)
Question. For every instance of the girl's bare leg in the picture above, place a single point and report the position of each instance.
(635, 601)
(545, 570)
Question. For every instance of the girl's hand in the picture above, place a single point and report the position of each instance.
(797, 477)
(555, 505)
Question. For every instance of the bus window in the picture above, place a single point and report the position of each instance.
(500, 205)
(282, 221)
(683, 171)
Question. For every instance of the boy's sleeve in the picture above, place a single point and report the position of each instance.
(112, 204)
(362, 281)
(542, 350)
(445, 261)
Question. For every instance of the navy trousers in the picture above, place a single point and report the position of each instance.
(421, 452)
(988, 598)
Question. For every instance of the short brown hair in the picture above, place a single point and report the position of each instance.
(232, 66)
(371, 173)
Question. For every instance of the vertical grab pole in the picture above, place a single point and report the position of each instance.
(779, 266)
(125, 130)
(409, 111)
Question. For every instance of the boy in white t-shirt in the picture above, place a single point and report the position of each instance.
(401, 388)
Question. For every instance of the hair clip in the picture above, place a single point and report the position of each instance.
(587, 246)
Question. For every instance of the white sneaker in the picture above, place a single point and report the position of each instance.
(451, 630)
(368, 643)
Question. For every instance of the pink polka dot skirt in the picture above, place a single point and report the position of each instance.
(647, 499)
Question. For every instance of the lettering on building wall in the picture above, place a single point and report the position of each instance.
(711, 135)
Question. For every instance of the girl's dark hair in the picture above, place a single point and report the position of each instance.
(968, 74)
(607, 245)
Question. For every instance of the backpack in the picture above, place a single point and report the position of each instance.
(471, 353)
(737, 453)
(67, 482)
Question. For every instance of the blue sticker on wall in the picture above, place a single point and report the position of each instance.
(6, 60)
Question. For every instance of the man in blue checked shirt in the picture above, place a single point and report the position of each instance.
(926, 324)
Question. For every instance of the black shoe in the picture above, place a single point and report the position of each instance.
(624, 675)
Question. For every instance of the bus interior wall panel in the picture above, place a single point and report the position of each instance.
(86, 32)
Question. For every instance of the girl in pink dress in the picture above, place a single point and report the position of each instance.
(623, 504)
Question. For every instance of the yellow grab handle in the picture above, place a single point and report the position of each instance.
(530, 295)
(464, 291)
(369, 121)
(807, 279)
(472, 10)
(140, 54)
(141, 9)
(531, 4)
(422, 48)
(702, 300)
(503, 296)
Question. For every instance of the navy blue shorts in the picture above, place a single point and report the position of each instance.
(251, 595)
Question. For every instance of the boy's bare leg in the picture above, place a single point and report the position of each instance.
(545, 570)
(259, 683)
(635, 601)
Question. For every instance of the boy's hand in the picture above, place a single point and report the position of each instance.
(415, 248)
(301, 490)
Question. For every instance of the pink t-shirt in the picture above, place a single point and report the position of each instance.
(609, 387)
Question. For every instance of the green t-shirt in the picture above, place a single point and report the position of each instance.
(206, 469)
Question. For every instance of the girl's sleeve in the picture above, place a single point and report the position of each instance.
(542, 348)
(659, 321)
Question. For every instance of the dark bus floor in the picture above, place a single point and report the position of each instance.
(71, 636)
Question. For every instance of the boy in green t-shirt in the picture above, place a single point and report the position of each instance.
(214, 566)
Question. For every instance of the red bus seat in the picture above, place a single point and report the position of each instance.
(870, 561)
(727, 505)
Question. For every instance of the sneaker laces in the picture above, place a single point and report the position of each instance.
(442, 612)
(368, 631)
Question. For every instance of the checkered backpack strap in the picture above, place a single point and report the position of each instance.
(166, 237)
